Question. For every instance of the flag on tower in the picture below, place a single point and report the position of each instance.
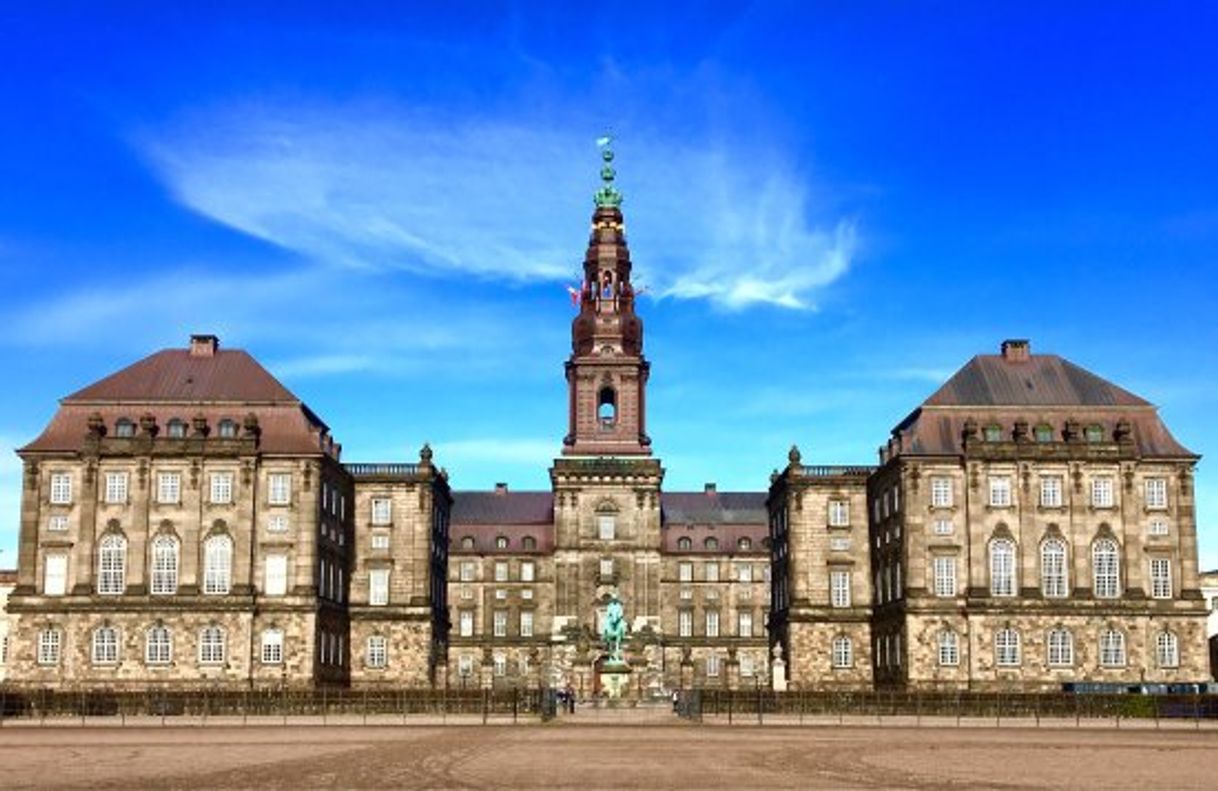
(574, 294)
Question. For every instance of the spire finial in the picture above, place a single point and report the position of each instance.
(607, 196)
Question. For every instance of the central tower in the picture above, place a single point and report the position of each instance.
(606, 373)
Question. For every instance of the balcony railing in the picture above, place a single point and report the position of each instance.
(382, 470)
(836, 471)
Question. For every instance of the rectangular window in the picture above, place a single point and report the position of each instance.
(526, 623)
(712, 572)
(382, 510)
(685, 572)
(465, 665)
(1157, 527)
(1101, 493)
(712, 665)
(499, 622)
(61, 488)
(941, 492)
(277, 524)
(280, 488)
(57, 524)
(468, 570)
(116, 487)
(1156, 493)
(169, 488)
(747, 666)
(527, 571)
(500, 665)
(467, 623)
(1160, 578)
(272, 647)
(55, 575)
(839, 513)
(943, 527)
(839, 588)
(276, 582)
(501, 571)
(501, 594)
(221, 488)
(378, 587)
(1000, 492)
(380, 541)
(685, 623)
(526, 594)
(744, 624)
(606, 568)
(606, 529)
(945, 577)
(48, 646)
(744, 573)
(1051, 491)
(378, 651)
(712, 623)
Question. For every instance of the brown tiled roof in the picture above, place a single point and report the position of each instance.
(718, 508)
(1040, 380)
(485, 537)
(502, 508)
(230, 375)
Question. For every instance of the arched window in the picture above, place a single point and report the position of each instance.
(176, 428)
(1060, 648)
(1105, 569)
(164, 565)
(1043, 433)
(501, 542)
(1094, 433)
(949, 648)
(211, 646)
(843, 652)
(711, 543)
(124, 427)
(744, 544)
(1112, 648)
(1053, 568)
(993, 433)
(217, 564)
(105, 645)
(1167, 650)
(158, 646)
(1006, 648)
(112, 565)
(467, 542)
(528, 542)
(227, 428)
(685, 543)
(606, 406)
(1002, 567)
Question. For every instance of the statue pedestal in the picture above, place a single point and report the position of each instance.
(614, 679)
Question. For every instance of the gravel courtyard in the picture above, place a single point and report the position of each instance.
(601, 756)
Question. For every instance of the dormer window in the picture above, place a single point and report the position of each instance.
(467, 542)
(124, 428)
(227, 429)
(606, 409)
(501, 542)
(744, 544)
(176, 428)
(993, 433)
(711, 544)
(1094, 433)
(528, 542)
(684, 543)
(1043, 433)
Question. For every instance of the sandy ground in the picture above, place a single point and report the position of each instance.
(610, 754)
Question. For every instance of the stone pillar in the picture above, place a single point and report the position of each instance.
(27, 548)
(84, 560)
(778, 670)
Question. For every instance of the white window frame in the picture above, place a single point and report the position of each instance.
(1106, 569)
(1158, 527)
(843, 652)
(272, 647)
(941, 492)
(1000, 491)
(212, 645)
(502, 571)
(55, 574)
(58, 523)
(376, 652)
(499, 622)
(1156, 494)
(1160, 578)
(528, 571)
(711, 570)
(839, 513)
(220, 488)
(839, 588)
(526, 623)
(116, 488)
(465, 623)
(685, 571)
(50, 645)
(112, 565)
(279, 488)
(744, 573)
(1002, 552)
(166, 561)
(606, 527)
(277, 523)
(685, 623)
(712, 623)
(1167, 649)
(744, 623)
(1054, 576)
(1051, 491)
(158, 645)
(1103, 492)
(944, 567)
(380, 541)
(1059, 648)
(468, 571)
(712, 665)
(944, 527)
(105, 646)
(378, 587)
(948, 648)
(382, 511)
(1007, 648)
(61, 488)
(217, 565)
(1112, 648)
(169, 488)
(275, 574)
(465, 665)
(499, 665)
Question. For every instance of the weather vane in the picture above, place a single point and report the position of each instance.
(607, 196)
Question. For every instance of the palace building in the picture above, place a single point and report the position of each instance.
(188, 521)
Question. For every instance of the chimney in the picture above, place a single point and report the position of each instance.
(709, 489)
(501, 488)
(204, 345)
(1016, 351)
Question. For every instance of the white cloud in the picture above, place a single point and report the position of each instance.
(382, 188)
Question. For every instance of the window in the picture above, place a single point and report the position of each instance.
(105, 645)
(993, 433)
(744, 544)
(55, 575)
(684, 543)
(501, 594)
(221, 488)
(712, 571)
(1094, 433)
(176, 428)
(382, 511)
(528, 571)
(711, 544)
(1160, 578)
(843, 652)
(1156, 493)
(839, 588)
(164, 566)
(466, 621)
(744, 573)
(1053, 569)
(211, 646)
(839, 513)
(227, 429)
(606, 568)
(116, 487)
(61, 488)
(1043, 433)
(378, 587)
(943, 527)
(1105, 569)
(272, 646)
(526, 623)
(467, 542)
(280, 488)
(949, 648)
(839, 544)
(112, 565)
(945, 576)
(1112, 648)
(1101, 492)
(940, 492)
(712, 623)
(57, 524)
(1157, 527)
(747, 666)
(468, 570)
(48, 646)
(465, 665)
(1051, 491)
(501, 571)
(526, 594)
(158, 647)
(1006, 648)
(168, 488)
(501, 542)
(217, 565)
(1000, 492)
(744, 624)
(685, 572)
(380, 541)
(606, 527)
(499, 623)
(606, 407)
(685, 623)
(712, 665)
(1060, 651)
(1167, 650)
(124, 428)
(277, 524)
(275, 578)
(377, 652)
(1002, 567)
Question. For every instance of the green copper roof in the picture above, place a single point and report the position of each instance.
(607, 195)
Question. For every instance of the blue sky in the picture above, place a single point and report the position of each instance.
(833, 207)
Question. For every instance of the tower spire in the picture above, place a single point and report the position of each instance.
(607, 196)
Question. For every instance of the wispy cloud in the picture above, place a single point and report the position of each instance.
(379, 187)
